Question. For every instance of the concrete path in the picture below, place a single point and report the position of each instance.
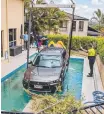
(87, 83)
(15, 62)
(90, 84)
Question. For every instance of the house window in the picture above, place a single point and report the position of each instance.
(2, 43)
(63, 24)
(12, 37)
(81, 25)
(74, 25)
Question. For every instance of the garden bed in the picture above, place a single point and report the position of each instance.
(101, 68)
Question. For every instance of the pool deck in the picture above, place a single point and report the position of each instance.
(15, 62)
(89, 84)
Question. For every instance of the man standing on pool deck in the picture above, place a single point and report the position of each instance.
(25, 40)
(91, 57)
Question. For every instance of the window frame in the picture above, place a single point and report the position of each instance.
(75, 25)
(14, 41)
(62, 24)
(81, 27)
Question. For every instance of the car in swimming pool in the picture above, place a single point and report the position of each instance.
(46, 71)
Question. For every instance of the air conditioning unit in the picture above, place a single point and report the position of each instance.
(15, 50)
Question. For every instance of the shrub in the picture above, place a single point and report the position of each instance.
(100, 48)
(64, 104)
(57, 37)
(83, 40)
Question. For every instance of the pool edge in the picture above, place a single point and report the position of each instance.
(12, 72)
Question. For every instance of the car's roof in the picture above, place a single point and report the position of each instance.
(52, 51)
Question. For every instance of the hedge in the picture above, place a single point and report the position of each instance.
(84, 41)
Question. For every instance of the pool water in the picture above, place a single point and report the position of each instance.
(73, 78)
(13, 97)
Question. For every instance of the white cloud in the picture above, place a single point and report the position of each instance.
(102, 1)
(84, 10)
(97, 2)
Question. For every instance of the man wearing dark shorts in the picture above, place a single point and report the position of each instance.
(91, 58)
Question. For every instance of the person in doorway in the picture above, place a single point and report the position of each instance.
(25, 40)
(91, 57)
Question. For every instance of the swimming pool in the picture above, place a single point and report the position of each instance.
(73, 78)
(13, 96)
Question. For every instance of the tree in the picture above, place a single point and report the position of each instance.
(44, 19)
(99, 17)
(103, 18)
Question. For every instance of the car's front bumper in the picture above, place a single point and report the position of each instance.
(46, 87)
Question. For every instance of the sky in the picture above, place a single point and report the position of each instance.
(84, 8)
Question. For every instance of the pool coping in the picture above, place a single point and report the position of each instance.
(86, 81)
(17, 69)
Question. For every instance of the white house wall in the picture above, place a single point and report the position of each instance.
(77, 32)
(81, 33)
(66, 31)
